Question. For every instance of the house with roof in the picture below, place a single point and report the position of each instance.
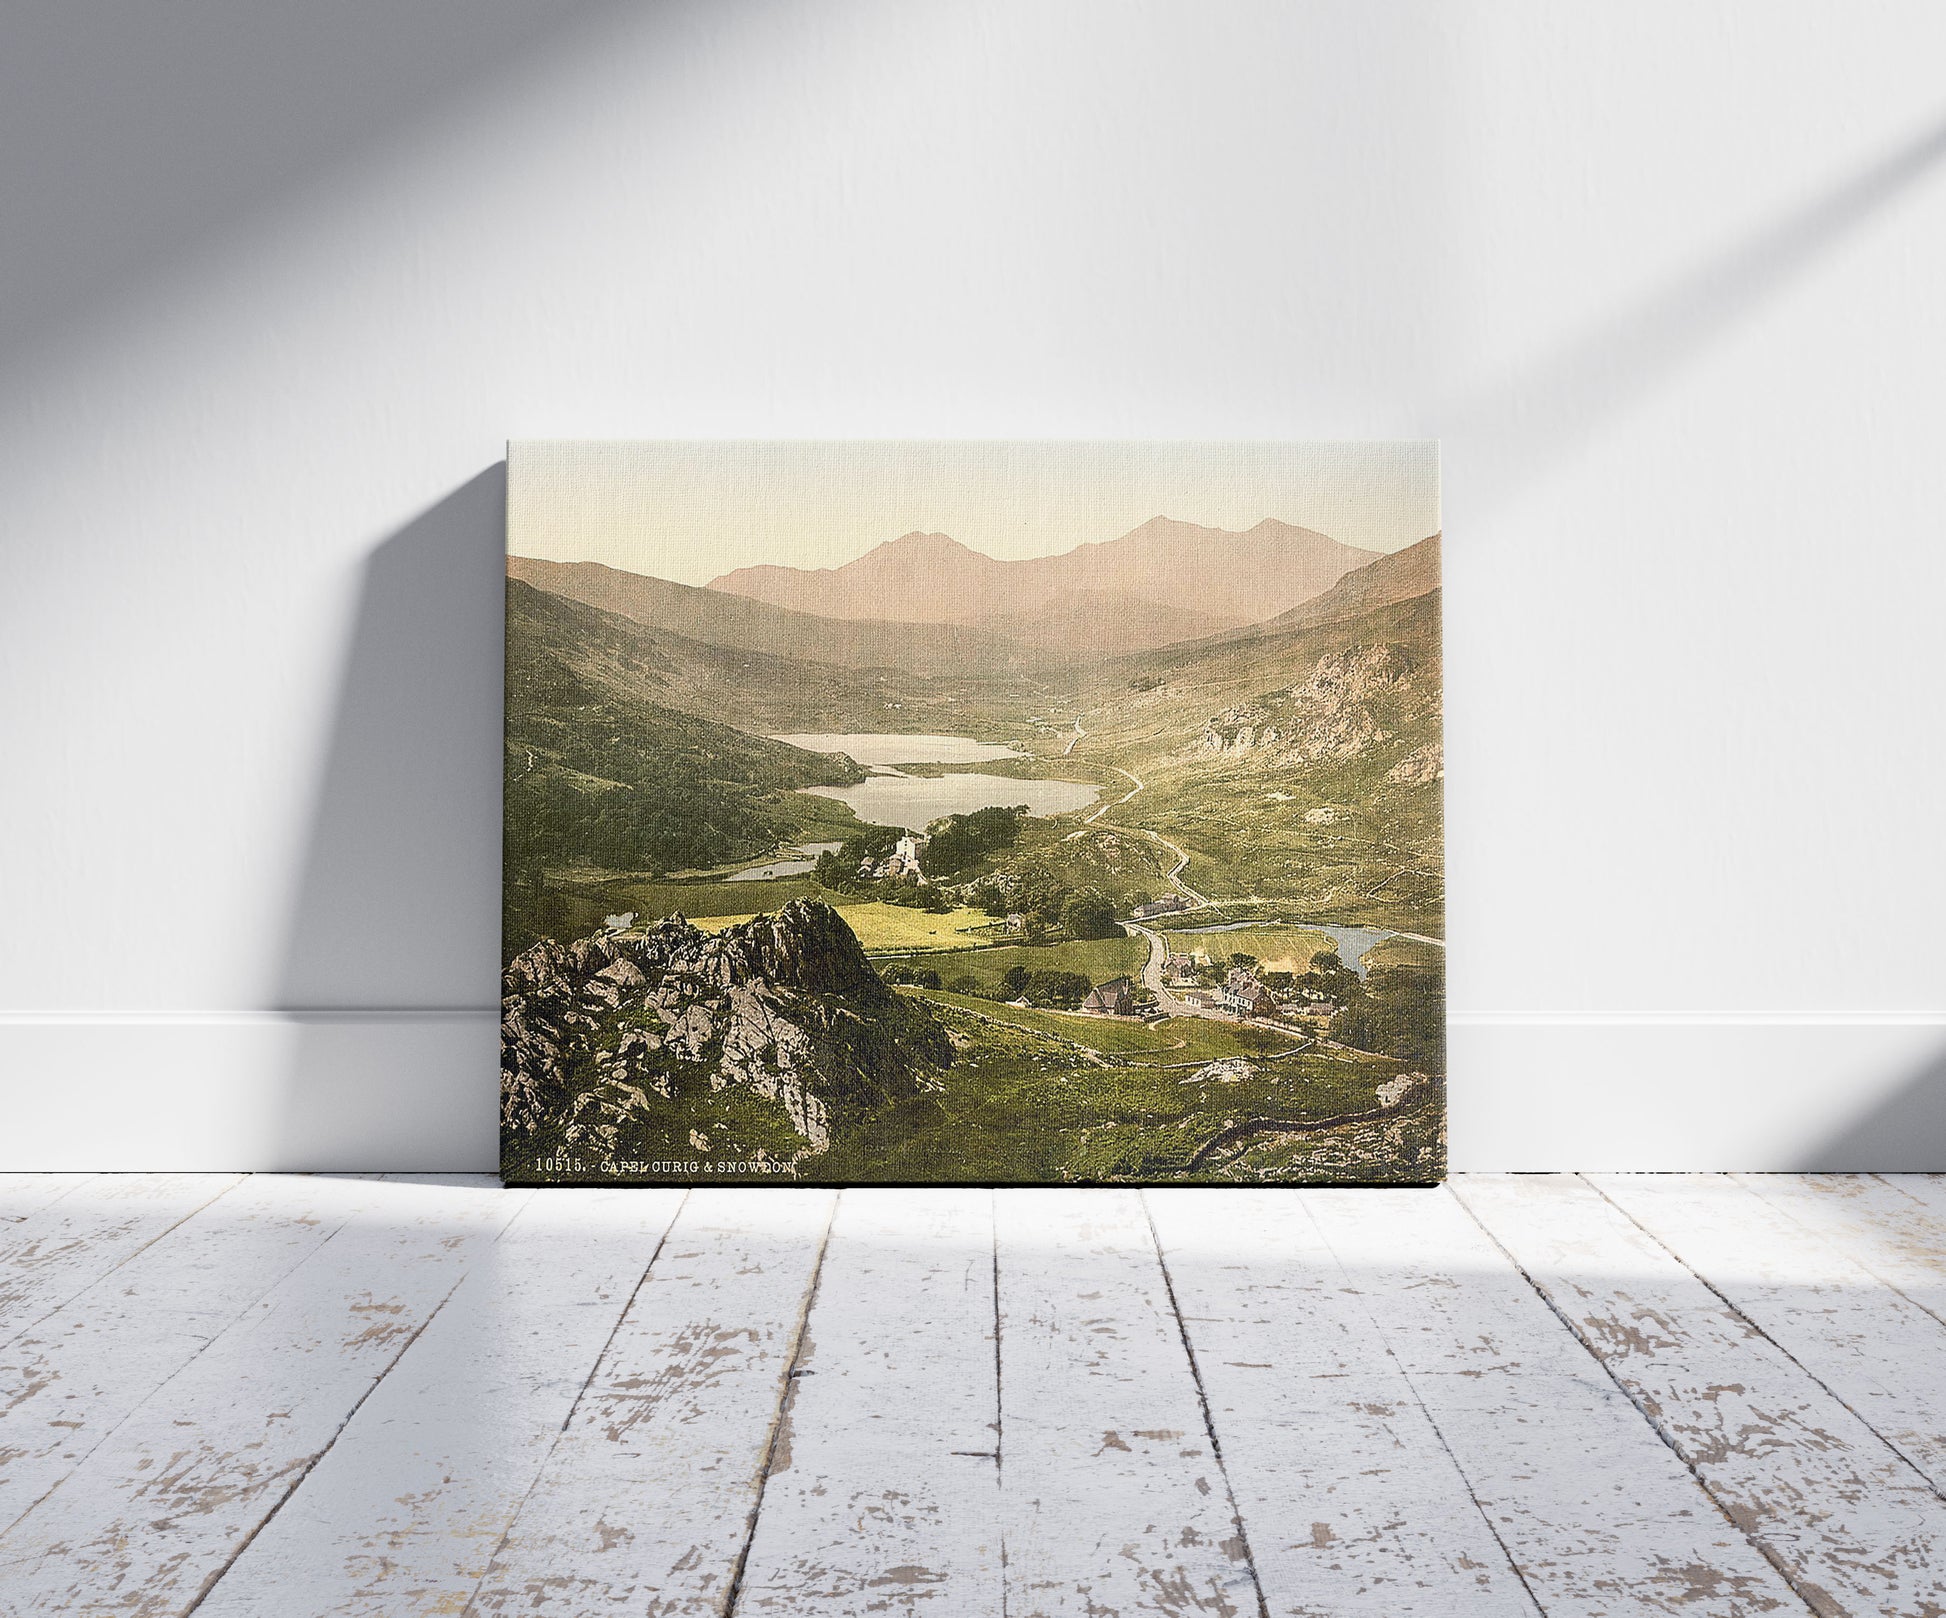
(1178, 968)
(1115, 998)
(1160, 907)
(1242, 994)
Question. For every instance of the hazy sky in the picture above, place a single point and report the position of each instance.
(690, 511)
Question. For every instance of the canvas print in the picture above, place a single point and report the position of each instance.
(973, 813)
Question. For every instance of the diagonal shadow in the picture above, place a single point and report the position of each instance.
(133, 138)
(1545, 412)
(1903, 1135)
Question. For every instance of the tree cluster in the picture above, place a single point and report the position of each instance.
(1044, 987)
(960, 842)
(1398, 1011)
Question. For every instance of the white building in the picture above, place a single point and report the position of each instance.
(905, 858)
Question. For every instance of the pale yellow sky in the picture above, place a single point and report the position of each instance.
(689, 511)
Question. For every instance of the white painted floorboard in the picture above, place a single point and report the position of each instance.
(1719, 1395)
(407, 1508)
(883, 1493)
(1353, 1503)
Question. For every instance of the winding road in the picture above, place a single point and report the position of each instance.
(1152, 980)
(1152, 975)
(1152, 968)
(1174, 874)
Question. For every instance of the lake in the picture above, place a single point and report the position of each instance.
(888, 798)
(871, 749)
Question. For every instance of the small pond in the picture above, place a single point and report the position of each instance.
(807, 857)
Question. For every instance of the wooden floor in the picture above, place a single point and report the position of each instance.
(1540, 1394)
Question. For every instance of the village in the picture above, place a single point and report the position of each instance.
(1174, 983)
(1195, 984)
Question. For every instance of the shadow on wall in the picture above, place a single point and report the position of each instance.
(1906, 1133)
(391, 964)
(134, 140)
(1521, 428)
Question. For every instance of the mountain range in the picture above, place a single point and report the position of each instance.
(717, 618)
(1163, 582)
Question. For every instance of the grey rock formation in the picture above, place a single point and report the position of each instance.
(1352, 702)
(600, 1036)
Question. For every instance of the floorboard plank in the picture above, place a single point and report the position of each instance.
(1894, 1224)
(71, 1379)
(23, 1194)
(645, 1503)
(884, 1493)
(1876, 1351)
(148, 1521)
(1854, 1526)
(1598, 1514)
(1350, 1500)
(60, 1249)
(403, 1514)
(1113, 1498)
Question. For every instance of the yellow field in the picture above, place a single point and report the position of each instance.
(891, 927)
(1279, 949)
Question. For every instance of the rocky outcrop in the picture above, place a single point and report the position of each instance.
(599, 1036)
(1230, 1070)
(1352, 702)
(1421, 765)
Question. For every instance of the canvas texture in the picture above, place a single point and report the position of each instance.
(977, 813)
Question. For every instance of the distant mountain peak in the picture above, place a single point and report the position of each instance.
(920, 542)
(1207, 578)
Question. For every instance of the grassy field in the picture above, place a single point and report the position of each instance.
(878, 926)
(1246, 835)
(1022, 1104)
(1406, 952)
(713, 905)
(1099, 958)
(1280, 949)
(1172, 1041)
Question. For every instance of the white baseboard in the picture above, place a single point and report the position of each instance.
(415, 1090)
(249, 1090)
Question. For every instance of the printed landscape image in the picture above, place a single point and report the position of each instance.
(973, 813)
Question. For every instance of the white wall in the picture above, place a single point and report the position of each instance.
(279, 282)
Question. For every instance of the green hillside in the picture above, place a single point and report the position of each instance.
(1300, 765)
(717, 618)
(598, 775)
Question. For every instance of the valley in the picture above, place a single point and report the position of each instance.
(1277, 782)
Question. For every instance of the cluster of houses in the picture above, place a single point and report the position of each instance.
(1241, 994)
(1166, 906)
